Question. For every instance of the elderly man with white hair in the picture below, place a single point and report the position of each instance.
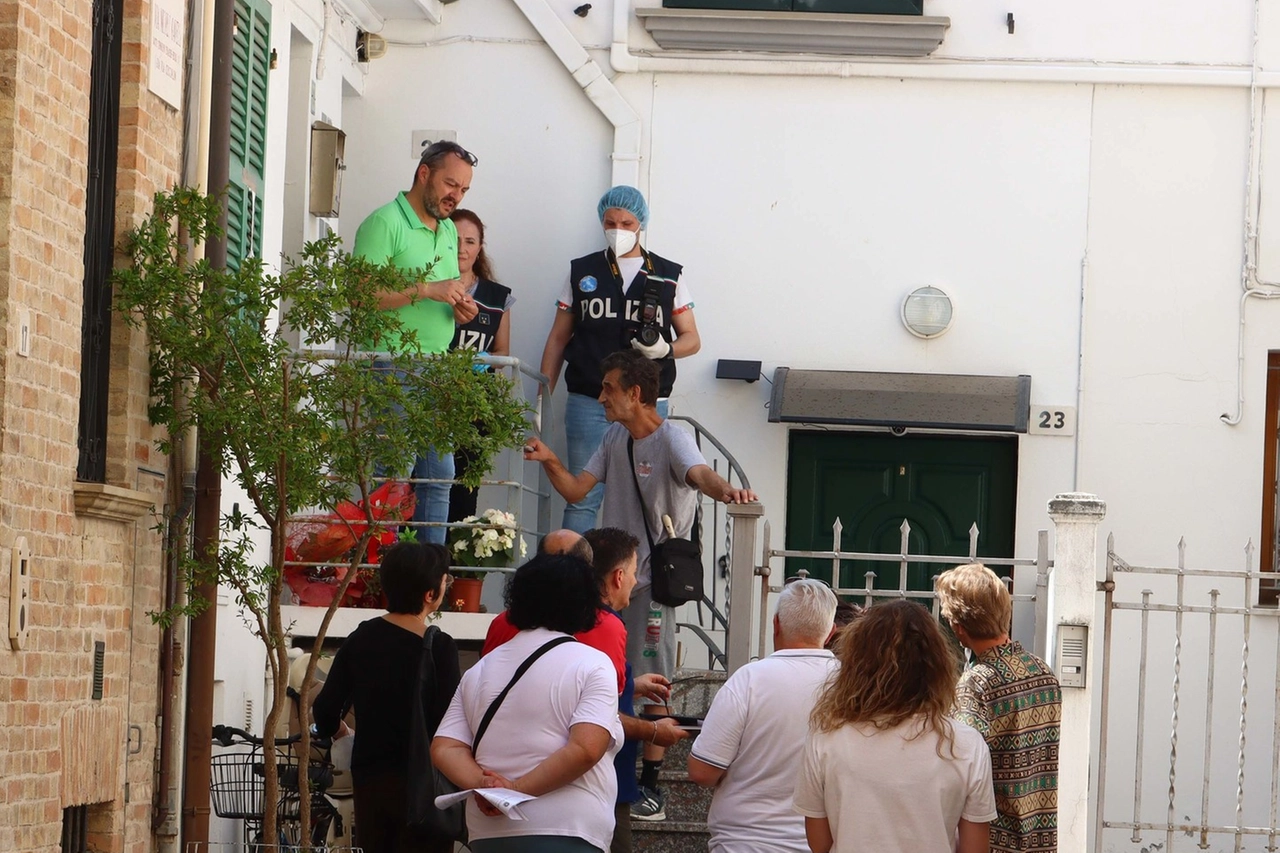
(751, 742)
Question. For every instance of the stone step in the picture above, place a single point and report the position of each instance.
(669, 836)
(693, 690)
(686, 801)
(685, 829)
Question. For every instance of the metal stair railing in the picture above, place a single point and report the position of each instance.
(719, 621)
(518, 489)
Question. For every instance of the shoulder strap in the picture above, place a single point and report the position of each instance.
(521, 670)
(426, 681)
(644, 512)
(695, 535)
(427, 663)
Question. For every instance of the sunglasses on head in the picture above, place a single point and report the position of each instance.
(438, 149)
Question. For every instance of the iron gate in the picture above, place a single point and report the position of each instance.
(1204, 760)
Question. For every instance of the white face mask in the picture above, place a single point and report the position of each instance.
(620, 240)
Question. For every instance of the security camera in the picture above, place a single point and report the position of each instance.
(898, 430)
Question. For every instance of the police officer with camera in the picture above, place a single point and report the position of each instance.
(622, 296)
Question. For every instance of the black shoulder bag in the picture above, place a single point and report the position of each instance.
(674, 564)
(425, 782)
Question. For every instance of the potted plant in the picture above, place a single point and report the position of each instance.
(489, 541)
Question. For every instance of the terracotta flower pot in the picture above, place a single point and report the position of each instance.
(464, 595)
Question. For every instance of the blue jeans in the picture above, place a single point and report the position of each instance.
(432, 498)
(584, 429)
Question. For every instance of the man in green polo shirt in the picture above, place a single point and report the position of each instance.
(414, 232)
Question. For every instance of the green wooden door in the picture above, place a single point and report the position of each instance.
(940, 485)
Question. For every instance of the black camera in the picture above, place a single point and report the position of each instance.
(649, 331)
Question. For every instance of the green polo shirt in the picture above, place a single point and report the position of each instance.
(394, 233)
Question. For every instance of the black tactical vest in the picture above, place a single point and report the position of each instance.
(606, 316)
(491, 299)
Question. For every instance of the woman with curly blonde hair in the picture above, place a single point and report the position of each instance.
(884, 767)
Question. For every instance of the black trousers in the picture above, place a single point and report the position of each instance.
(462, 501)
(379, 800)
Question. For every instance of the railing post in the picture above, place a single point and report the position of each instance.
(742, 571)
(1073, 600)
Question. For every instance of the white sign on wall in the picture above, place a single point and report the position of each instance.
(420, 139)
(1053, 420)
(164, 72)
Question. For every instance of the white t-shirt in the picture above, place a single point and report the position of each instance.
(755, 732)
(884, 790)
(570, 684)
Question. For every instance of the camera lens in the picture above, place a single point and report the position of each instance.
(649, 335)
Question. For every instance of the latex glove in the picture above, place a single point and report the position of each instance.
(659, 350)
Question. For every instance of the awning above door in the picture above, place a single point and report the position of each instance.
(934, 400)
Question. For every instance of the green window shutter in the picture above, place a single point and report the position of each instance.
(862, 7)
(857, 7)
(244, 224)
(250, 65)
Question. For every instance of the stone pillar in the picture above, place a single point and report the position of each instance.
(1073, 599)
(742, 583)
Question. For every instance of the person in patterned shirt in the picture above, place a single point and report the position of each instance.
(1011, 697)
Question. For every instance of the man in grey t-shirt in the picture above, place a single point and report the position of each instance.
(670, 472)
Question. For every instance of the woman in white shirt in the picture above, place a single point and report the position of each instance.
(884, 766)
(555, 733)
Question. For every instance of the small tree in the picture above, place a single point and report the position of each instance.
(298, 429)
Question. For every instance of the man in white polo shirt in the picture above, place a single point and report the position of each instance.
(750, 744)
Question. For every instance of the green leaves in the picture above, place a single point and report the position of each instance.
(272, 368)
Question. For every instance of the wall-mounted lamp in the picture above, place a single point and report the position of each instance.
(369, 46)
(728, 368)
(927, 312)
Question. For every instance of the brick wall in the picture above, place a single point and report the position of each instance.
(93, 578)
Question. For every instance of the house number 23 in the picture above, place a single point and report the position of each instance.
(1053, 420)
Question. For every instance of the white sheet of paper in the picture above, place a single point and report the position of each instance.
(504, 799)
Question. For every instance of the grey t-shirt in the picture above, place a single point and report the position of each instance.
(663, 460)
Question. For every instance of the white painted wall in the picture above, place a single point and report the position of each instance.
(823, 201)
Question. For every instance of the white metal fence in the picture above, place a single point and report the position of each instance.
(750, 582)
(1185, 724)
(870, 592)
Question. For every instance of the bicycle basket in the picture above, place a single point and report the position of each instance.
(238, 782)
(320, 777)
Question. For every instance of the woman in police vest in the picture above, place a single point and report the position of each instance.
(622, 296)
(488, 332)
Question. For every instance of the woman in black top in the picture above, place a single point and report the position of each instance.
(489, 331)
(374, 672)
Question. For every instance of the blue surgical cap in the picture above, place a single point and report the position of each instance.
(625, 198)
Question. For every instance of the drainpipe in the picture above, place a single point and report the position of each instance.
(168, 794)
(620, 55)
(1252, 286)
(174, 547)
(203, 636)
(591, 78)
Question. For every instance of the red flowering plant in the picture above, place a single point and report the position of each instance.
(319, 549)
